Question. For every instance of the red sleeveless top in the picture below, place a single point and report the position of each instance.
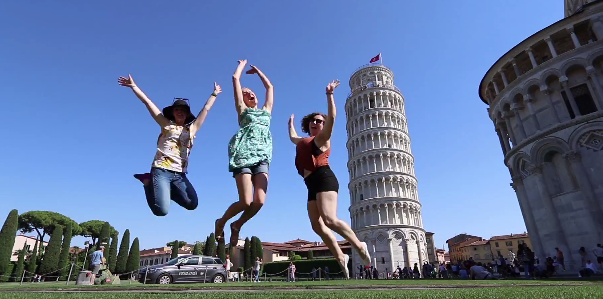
(309, 156)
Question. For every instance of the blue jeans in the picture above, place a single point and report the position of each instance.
(527, 268)
(168, 185)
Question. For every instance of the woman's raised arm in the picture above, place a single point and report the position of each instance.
(238, 91)
(325, 134)
(203, 114)
(267, 84)
(292, 133)
(155, 112)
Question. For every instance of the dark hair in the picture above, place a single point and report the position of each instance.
(305, 123)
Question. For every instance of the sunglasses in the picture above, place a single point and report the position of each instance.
(317, 121)
(181, 99)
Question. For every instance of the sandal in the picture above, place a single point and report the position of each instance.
(234, 235)
(219, 236)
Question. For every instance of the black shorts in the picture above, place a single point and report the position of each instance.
(599, 259)
(321, 180)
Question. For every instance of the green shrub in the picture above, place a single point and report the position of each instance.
(9, 270)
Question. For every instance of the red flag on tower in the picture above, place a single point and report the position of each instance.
(376, 58)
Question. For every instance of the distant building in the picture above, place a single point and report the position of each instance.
(20, 241)
(456, 243)
(505, 243)
(274, 252)
(478, 250)
(161, 255)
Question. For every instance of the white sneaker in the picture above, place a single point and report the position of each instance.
(365, 255)
(346, 271)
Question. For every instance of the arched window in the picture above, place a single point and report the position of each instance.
(523, 166)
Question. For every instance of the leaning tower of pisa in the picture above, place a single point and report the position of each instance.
(384, 202)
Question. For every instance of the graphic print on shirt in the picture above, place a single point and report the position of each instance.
(173, 148)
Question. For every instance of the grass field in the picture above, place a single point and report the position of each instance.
(540, 292)
(314, 284)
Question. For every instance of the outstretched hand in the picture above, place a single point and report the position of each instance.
(217, 88)
(291, 120)
(128, 82)
(331, 87)
(242, 62)
(253, 70)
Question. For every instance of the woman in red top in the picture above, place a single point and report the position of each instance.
(312, 162)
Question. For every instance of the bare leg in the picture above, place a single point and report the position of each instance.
(260, 186)
(325, 233)
(326, 203)
(245, 188)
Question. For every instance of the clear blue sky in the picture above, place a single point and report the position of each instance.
(73, 137)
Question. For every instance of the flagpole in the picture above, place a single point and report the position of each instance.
(381, 58)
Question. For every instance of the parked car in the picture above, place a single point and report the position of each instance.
(186, 268)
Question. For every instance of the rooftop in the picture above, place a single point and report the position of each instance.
(511, 236)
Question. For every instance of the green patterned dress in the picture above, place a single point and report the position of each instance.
(252, 144)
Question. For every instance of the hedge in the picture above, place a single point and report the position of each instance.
(9, 270)
(305, 266)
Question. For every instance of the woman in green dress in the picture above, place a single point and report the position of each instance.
(249, 153)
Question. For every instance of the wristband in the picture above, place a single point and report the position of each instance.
(328, 93)
(214, 94)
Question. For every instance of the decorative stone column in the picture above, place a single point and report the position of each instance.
(516, 68)
(504, 78)
(549, 42)
(594, 206)
(597, 27)
(545, 89)
(529, 100)
(522, 130)
(574, 37)
(528, 216)
(507, 117)
(563, 80)
(532, 59)
(594, 81)
(551, 212)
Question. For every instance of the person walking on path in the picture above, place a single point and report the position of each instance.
(95, 263)
(312, 163)
(598, 252)
(249, 153)
(167, 179)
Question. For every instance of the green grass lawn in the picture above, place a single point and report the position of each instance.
(313, 284)
(541, 292)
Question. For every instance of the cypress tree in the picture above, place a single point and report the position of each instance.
(122, 257)
(211, 245)
(7, 239)
(247, 254)
(252, 248)
(134, 257)
(222, 250)
(310, 255)
(175, 249)
(64, 256)
(18, 272)
(259, 249)
(206, 246)
(112, 254)
(105, 235)
(197, 249)
(32, 265)
(50, 262)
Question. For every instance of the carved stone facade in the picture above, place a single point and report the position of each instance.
(384, 208)
(545, 100)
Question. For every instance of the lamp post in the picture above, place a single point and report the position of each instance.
(85, 256)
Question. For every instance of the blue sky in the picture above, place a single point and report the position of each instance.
(73, 137)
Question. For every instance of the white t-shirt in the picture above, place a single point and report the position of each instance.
(598, 252)
(591, 266)
(228, 264)
(257, 265)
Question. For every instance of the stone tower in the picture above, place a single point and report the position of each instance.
(545, 101)
(384, 202)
